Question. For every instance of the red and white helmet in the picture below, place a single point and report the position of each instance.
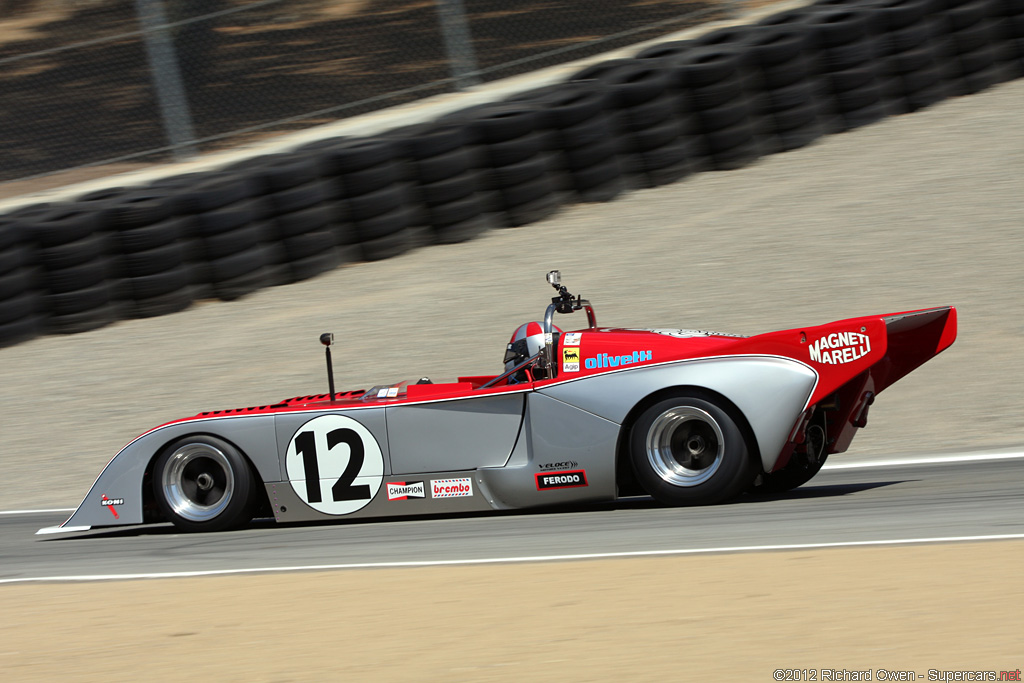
(526, 341)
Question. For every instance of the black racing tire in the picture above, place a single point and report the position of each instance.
(161, 304)
(706, 65)
(236, 265)
(77, 301)
(462, 231)
(968, 14)
(81, 276)
(786, 74)
(372, 179)
(278, 172)
(513, 174)
(309, 245)
(726, 116)
(444, 166)
(797, 472)
(839, 26)
(597, 153)
(319, 217)
(975, 37)
(310, 266)
(862, 117)
(844, 57)
(718, 93)
(634, 84)
(386, 224)
(656, 136)
(153, 261)
(912, 37)
(858, 98)
(798, 137)
(526, 192)
(773, 46)
(596, 175)
(60, 225)
(690, 450)
(428, 140)
(152, 236)
(921, 99)
(143, 207)
(532, 211)
(300, 197)
(74, 253)
(234, 241)
(605, 192)
(229, 217)
(18, 307)
(645, 115)
(214, 191)
(455, 212)
(81, 321)
(795, 118)
(590, 132)
(19, 331)
(571, 105)
(339, 156)
(512, 151)
(387, 246)
(202, 483)
(158, 284)
(462, 185)
(502, 121)
(912, 60)
(14, 257)
(666, 50)
(17, 282)
(379, 202)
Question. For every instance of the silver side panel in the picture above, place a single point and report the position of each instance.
(770, 391)
(121, 479)
(454, 435)
(558, 440)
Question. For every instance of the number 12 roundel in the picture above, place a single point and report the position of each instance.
(334, 464)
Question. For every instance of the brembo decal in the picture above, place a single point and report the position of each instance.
(451, 488)
(603, 360)
(561, 480)
(571, 359)
(110, 503)
(840, 347)
(404, 490)
(572, 338)
(334, 464)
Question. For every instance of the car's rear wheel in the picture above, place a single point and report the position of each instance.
(202, 483)
(802, 467)
(690, 451)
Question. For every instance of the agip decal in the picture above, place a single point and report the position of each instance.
(839, 348)
(571, 359)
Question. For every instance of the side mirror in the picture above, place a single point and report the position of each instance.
(326, 338)
(554, 278)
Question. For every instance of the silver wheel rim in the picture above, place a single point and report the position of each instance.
(685, 446)
(198, 482)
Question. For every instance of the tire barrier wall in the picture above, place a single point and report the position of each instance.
(713, 103)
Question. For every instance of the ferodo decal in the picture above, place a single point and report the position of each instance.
(571, 359)
(603, 360)
(334, 464)
(451, 488)
(840, 347)
(561, 480)
(404, 490)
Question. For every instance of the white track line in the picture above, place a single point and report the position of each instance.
(33, 512)
(933, 460)
(511, 560)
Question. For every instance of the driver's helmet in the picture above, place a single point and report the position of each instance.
(526, 341)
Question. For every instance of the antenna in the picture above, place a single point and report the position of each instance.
(327, 338)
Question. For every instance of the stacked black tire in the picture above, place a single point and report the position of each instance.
(151, 263)
(371, 198)
(1011, 14)
(229, 234)
(303, 216)
(74, 279)
(908, 54)
(444, 180)
(518, 176)
(651, 125)
(20, 318)
(581, 138)
(975, 40)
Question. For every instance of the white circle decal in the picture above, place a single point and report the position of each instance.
(334, 464)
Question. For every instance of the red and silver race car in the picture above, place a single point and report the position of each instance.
(690, 417)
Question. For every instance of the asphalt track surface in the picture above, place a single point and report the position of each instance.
(870, 504)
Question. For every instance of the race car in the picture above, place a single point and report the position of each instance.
(689, 417)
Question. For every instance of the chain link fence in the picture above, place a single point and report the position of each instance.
(94, 82)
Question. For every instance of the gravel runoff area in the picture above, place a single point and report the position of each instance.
(916, 211)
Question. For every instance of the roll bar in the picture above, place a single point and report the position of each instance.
(563, 303)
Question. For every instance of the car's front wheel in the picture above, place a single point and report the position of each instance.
(202, 483)
(688, 450)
